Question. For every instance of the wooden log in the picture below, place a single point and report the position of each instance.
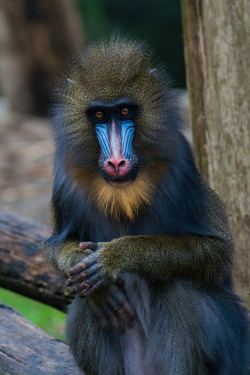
(26, 349)
(22, 268)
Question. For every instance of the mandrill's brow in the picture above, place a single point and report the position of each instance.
(110, 105)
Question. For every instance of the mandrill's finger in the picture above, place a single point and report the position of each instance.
(76, 269)
(92, 274)
(112, 318)
(84, 289)
(78, 288)
(91, 288)
(123, 310)
(88, 245)
(75, 278)
(81, 266)
(128, 312)
(95, 285)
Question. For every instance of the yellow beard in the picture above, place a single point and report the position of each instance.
(122, 200)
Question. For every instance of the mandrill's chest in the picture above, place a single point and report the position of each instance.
(101, 228)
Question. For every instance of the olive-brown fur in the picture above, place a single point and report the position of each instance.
(174, 253)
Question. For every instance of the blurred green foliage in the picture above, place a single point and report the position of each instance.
(158, 22)
(49, 319)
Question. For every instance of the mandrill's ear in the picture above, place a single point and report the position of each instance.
(153, 72)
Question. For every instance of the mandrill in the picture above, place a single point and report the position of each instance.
(142, 240)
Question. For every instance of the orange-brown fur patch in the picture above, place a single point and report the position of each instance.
(119, 201)
(124, 200)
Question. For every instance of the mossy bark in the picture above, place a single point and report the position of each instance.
(217, 63)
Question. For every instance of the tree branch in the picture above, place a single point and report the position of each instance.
(22, 268)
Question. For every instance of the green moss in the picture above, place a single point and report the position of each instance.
(48, 318)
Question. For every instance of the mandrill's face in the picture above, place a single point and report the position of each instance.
(114, 125)
(121, 188)
(112, 116)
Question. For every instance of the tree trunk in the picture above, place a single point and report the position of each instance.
(36, 37)
(22, 268)
(217, 63)
(26, 349)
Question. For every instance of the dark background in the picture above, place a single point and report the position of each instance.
(157, 22)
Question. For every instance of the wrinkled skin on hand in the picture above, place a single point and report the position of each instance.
(87, 275)
(108, 299)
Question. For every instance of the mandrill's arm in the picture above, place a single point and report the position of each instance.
(62, 254)
(203, 259)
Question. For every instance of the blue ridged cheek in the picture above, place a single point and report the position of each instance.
(127, 134)
(103, 138)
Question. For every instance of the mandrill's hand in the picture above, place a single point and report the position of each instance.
(86, 276)
(112, 307)
(109, 300)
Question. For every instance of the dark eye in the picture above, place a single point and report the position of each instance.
(125, 111)
(99, 115)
